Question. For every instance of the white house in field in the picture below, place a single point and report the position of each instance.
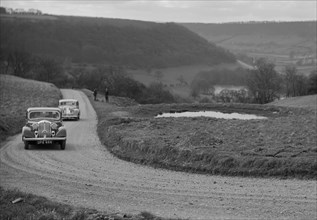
(34, 11)
(19, 11)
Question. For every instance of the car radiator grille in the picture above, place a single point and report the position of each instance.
(44, 129)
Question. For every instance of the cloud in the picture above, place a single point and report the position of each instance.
(177, 10)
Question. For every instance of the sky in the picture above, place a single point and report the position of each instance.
(201, 11)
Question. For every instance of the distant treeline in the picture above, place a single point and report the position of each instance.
(263, 84)
(109, 41)
(48, 69)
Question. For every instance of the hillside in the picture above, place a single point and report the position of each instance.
(135, 44)
(16, 95)
(282, 42)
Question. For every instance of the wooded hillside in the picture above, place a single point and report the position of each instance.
(135, 44)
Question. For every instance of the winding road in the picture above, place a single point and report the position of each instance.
(85, 174)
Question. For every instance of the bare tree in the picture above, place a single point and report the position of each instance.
(295, 84)
(312, 82)
(182, 80)
(264, 82)
(49, 70)
(20, 62)
(290, 80)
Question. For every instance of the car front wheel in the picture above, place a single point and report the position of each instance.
(63, 145)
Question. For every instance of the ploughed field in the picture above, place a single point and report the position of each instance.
(18, 94)
(283, 145)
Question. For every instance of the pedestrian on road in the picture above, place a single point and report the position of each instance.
(107, 94)
(95, 94)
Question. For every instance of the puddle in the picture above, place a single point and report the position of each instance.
(211, 114)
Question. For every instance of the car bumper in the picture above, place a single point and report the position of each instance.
(45, 139)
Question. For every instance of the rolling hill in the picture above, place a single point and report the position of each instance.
(134, 44)
(282, 42)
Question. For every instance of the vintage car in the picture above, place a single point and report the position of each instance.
(70, 108)
(44, 126)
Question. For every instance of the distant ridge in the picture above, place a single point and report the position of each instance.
(137, 44)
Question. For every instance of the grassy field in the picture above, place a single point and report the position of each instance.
(283, 146)
(16, 95)
(309, 102)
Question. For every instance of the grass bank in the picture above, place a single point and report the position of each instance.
(30, 206)
(16, 95)
(283, 146)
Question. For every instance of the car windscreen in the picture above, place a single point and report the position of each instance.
(68, 103)
(44, 114)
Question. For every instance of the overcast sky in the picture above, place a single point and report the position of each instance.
(205, 11)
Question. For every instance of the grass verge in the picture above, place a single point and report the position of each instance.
(36, 207)
(16, 95)
(283, 146)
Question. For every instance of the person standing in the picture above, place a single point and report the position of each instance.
(95, 94)
(107, 94)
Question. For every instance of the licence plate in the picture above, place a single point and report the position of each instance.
(44, 142)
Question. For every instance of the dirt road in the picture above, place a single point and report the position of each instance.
(85, 174)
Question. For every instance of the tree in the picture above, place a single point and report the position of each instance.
(203, 84)
(295, 84)
(264, 83)
(3, 10)
(182, 80)
(290, 80)
(312, 82)
(20, 62)
(156, 93)
(301, 85)
(50, 70)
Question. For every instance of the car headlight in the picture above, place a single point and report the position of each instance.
(35, 126)
(54, 126)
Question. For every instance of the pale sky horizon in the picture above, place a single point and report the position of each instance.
(200, 11)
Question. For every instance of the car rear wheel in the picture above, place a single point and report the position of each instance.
(63, 145)
(26, 145)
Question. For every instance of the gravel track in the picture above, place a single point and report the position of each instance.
(85, 174)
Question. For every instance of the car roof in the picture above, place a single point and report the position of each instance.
(43, 109)
(68, 100)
